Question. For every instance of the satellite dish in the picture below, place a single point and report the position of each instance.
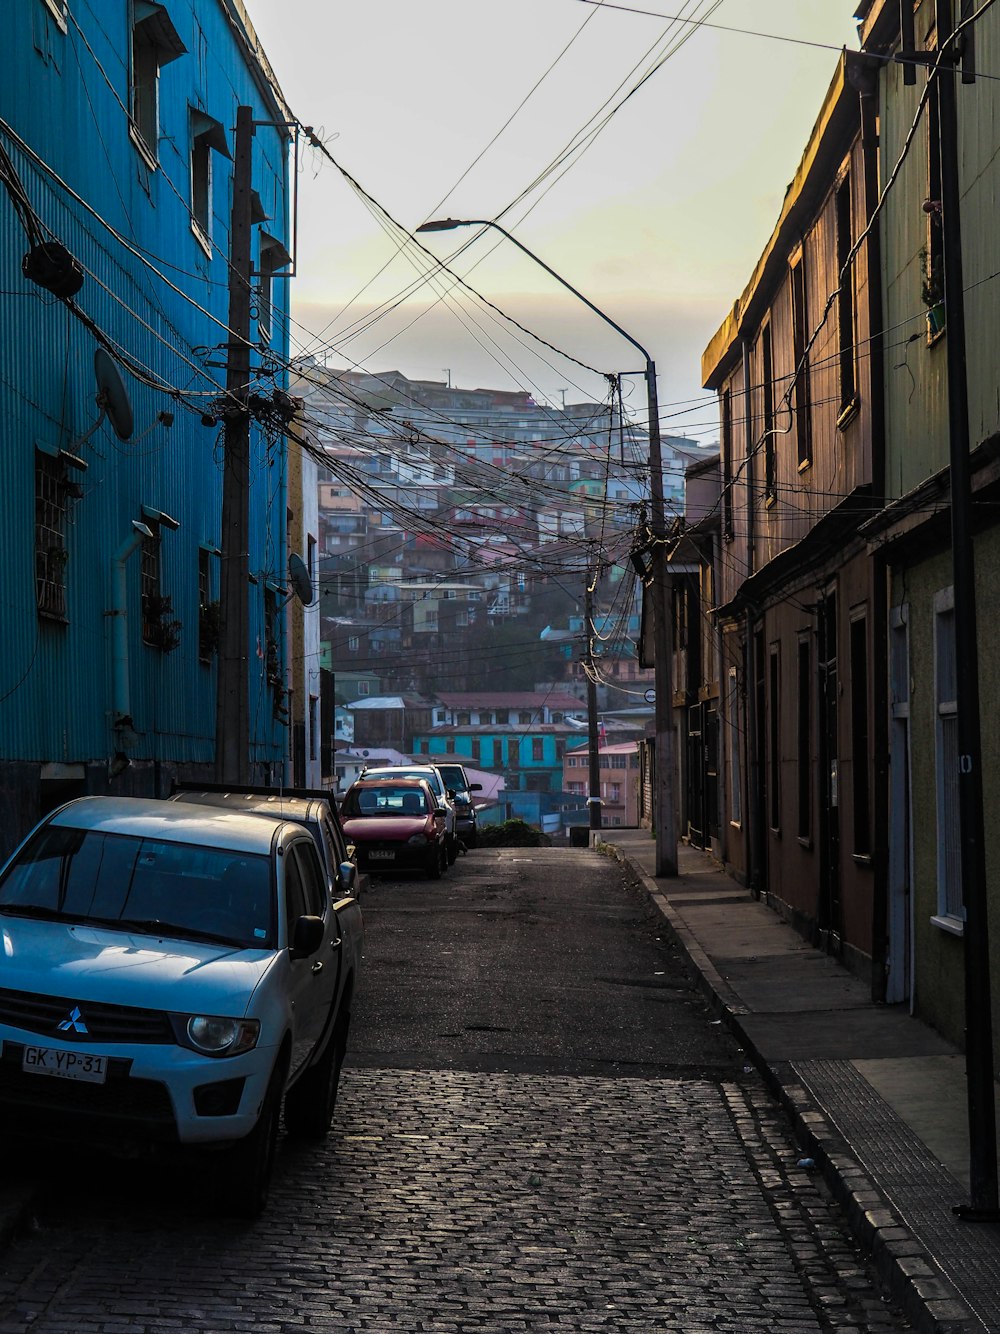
(300, 580)
(112, 396)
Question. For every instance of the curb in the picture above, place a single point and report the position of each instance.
(906, 1269)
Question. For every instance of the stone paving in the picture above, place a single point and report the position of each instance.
(450, 1202)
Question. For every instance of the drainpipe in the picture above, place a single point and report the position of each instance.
(121, 708)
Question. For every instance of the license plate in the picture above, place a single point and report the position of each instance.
(382, 856)
(65, 1064)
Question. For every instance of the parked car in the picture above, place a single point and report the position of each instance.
(173, 972)
(317, 810)
(431, 775)
(396, 823)
(466, 820)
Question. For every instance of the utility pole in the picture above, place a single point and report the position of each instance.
(975, 936)
(664, 800)
(593, 749)
(664, 797)
(232, 722)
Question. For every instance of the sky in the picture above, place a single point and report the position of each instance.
(475, 110)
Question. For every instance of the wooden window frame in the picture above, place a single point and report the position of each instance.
(798, 277)
(860, 737)
(950, 915)
(774, 738)
(804, 739)
(847, 368)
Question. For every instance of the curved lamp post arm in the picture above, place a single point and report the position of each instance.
(449, 224)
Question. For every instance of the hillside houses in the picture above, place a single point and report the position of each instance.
(447, 513)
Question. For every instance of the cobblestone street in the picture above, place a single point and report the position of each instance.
(454, 1200)
(474, 1202)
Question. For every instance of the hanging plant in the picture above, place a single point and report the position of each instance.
(931, 280)
(272, 662)
(932, 291)
(160, 628)
(209, 629)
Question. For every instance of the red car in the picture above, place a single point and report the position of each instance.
(395, 824)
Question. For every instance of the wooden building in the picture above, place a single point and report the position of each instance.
(799, 389)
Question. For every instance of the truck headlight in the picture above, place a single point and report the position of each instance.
(215, 1035)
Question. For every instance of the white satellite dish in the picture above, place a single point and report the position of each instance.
(112, 398)
(300, 580)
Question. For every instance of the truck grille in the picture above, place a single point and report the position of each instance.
(99, 1022)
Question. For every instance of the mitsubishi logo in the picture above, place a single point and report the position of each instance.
(74, 1020)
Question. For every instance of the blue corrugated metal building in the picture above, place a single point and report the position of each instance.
(116, 142)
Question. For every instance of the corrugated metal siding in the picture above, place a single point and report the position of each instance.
(979, 128)
(55, 680)
(916, 379)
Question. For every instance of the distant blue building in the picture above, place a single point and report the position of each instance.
(116, 167)
(521, 734)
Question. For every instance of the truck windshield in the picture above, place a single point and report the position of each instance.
(83, 875)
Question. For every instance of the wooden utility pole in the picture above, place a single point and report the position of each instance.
(593, 748)
(232, 722)
(978, 1021)
(665, 794)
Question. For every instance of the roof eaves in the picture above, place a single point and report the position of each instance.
(260, 67)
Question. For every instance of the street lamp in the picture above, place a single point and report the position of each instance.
(664, 812)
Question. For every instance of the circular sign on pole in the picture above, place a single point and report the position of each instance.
(650, 696)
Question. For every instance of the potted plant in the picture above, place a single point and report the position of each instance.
(209, 629)
(932, 290)
(160, 628)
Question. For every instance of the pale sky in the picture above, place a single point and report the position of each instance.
(659, 222)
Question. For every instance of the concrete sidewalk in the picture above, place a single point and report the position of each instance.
(877, 1097)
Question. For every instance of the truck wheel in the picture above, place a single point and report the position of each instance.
(310, 1104)
(250, 1163)
(452, 845)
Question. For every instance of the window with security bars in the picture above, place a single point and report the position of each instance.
(51, 554)
(949, 866)
(208, 610)
(150, 584)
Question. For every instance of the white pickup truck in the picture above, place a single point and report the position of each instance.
(172, 973)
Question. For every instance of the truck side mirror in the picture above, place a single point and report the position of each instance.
(307, 937)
